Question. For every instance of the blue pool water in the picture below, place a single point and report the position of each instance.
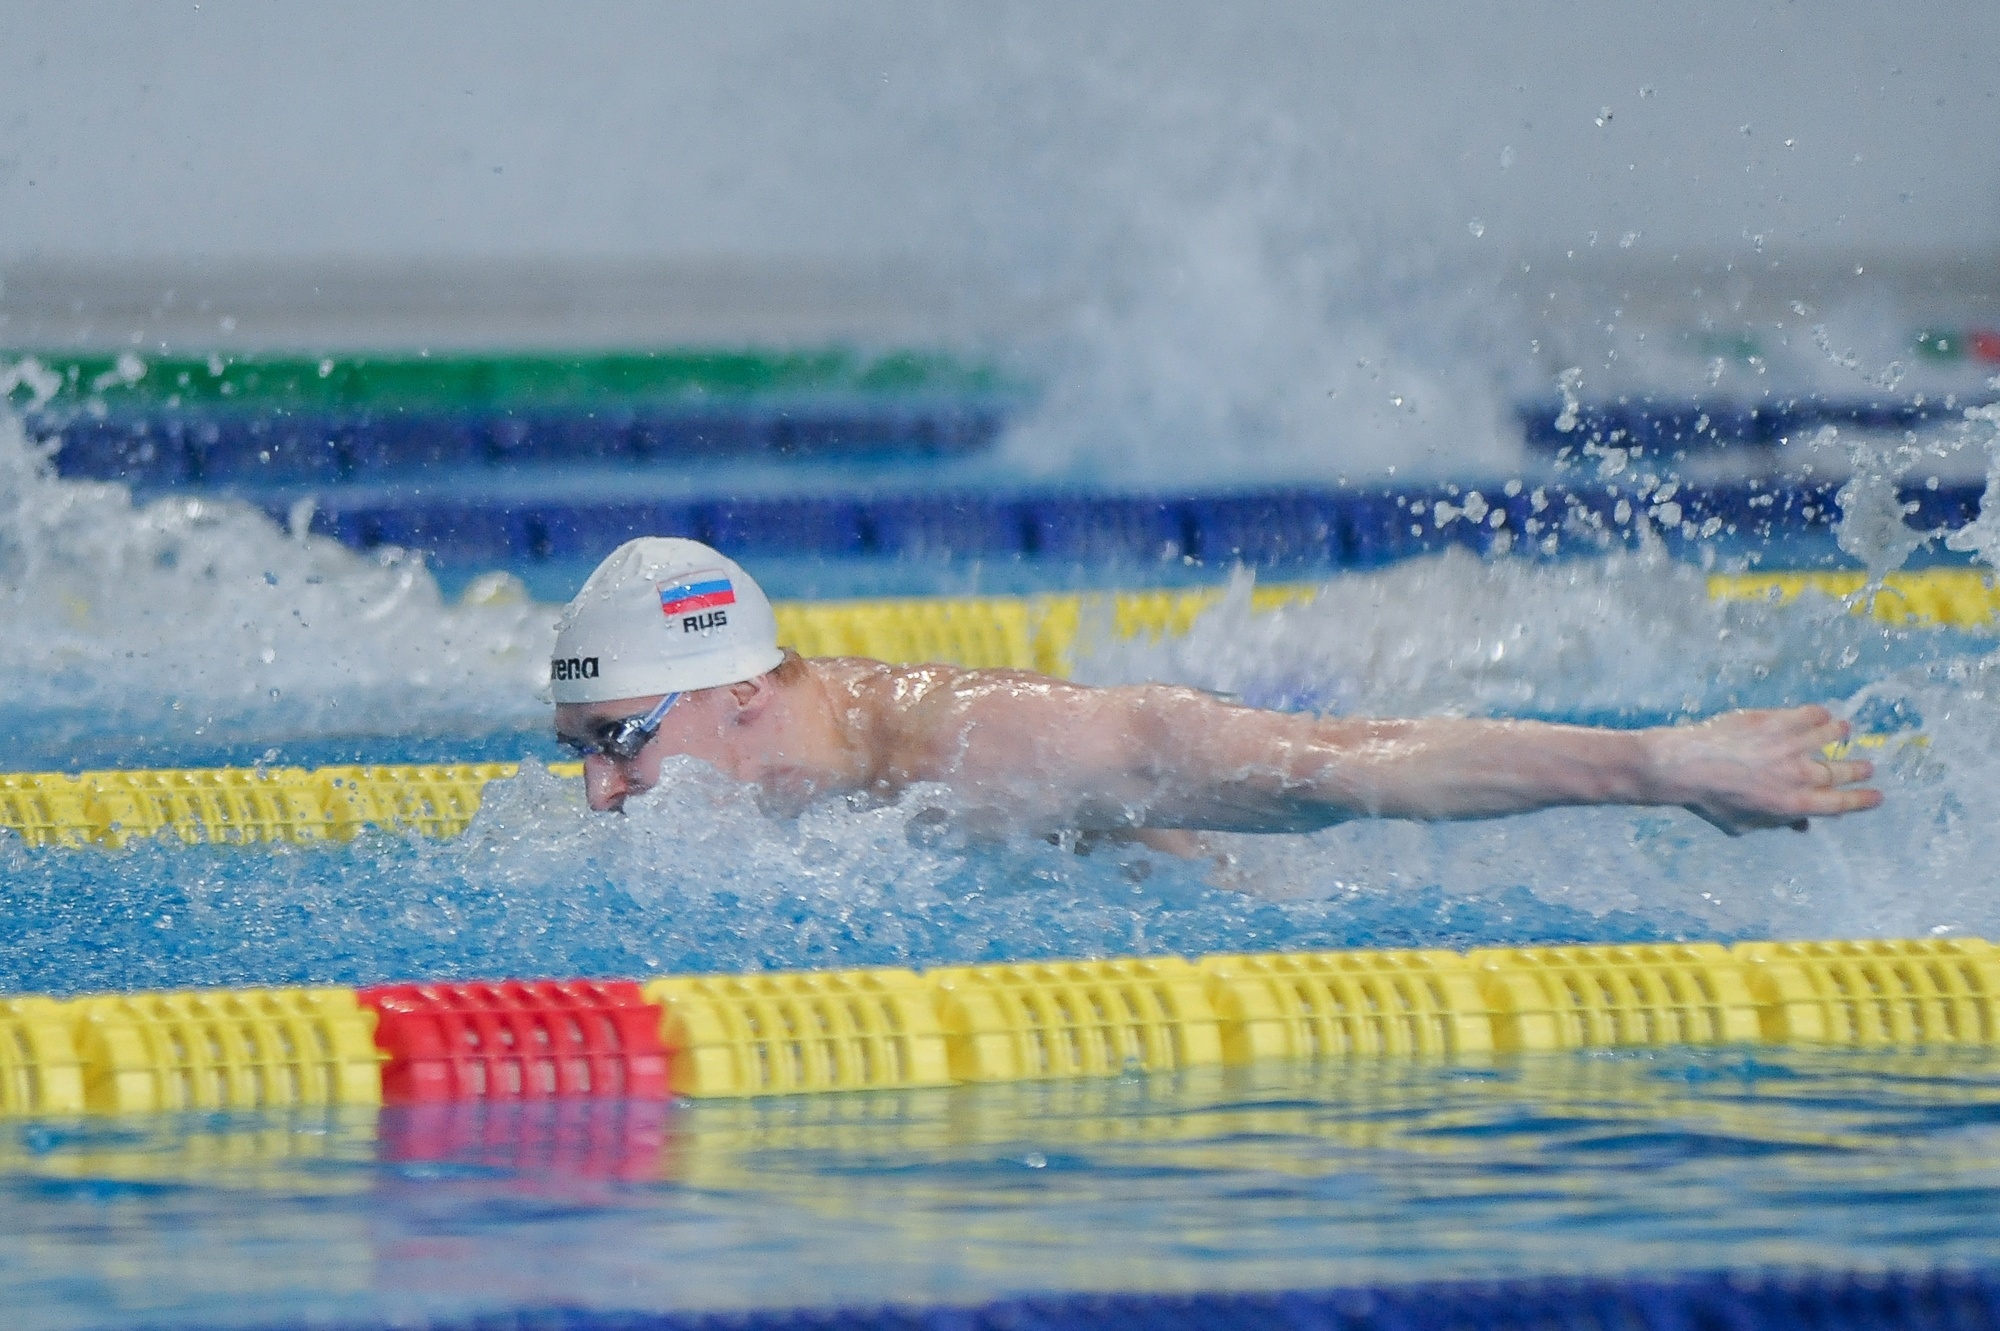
(189, 632)
(1367, 1174)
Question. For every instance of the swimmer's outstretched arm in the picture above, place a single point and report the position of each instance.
(1164, 757)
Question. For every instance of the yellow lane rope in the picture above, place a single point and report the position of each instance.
(1963, 598)
(1042, 632)
(779, 1033)
(1019, 632)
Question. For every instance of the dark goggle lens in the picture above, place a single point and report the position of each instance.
(622, 740)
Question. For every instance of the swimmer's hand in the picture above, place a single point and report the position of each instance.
(1743, 771)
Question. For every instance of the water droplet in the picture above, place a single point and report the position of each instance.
(1603, 117)
(1476, 227)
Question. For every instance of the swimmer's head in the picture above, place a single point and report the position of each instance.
(662, 615)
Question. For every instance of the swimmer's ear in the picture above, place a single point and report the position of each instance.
(751, 697)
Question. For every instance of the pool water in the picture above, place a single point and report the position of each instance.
(1279, 1178)
(195, 631)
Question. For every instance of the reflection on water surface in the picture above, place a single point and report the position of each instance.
(1371, 1172)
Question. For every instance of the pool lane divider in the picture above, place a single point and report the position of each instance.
(168, 422)
(518, 1040)
(1045, 633)
(246, 806)
(123, 382)
(798, 1032)
(1292, 527)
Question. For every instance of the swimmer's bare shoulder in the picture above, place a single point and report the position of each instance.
(1032, 750)
(996, 736)
(915, 723)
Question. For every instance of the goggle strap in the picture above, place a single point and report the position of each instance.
(659, 713)
(642, 726)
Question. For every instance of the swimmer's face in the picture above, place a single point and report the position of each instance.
(699, 725)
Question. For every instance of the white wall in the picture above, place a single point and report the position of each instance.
(454, 128)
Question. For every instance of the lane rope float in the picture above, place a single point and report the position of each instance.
(784, 1033)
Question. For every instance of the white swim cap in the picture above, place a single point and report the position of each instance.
(662, 615)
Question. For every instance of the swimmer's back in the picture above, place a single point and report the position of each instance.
(1026, 742)
(917, 722)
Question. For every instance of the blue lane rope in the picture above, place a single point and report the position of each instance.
(273, 443)
(1321, 528)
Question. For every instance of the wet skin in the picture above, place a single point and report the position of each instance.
(1028, 751)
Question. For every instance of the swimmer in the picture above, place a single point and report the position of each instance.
(670, 648)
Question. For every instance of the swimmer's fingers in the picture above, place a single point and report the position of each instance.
(1822, 801)
(1745, 771)
(1826, 787)
(1805, 789)
(1831, 772)
(1807, 731)
(1795, 812)
(1791, 721)
(1823, 735)
(1832, 802)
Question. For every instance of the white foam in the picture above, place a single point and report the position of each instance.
(201, 617)
(1628, 633)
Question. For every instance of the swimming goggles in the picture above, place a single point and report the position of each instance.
(622, 739)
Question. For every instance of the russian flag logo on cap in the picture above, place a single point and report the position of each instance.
(699, 591)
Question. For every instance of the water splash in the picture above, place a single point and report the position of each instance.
(134, 627)
(1981, 536)
(1631, 636)
(1871, 526)
(1227, 315)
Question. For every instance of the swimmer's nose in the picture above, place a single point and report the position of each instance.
(605, 784)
